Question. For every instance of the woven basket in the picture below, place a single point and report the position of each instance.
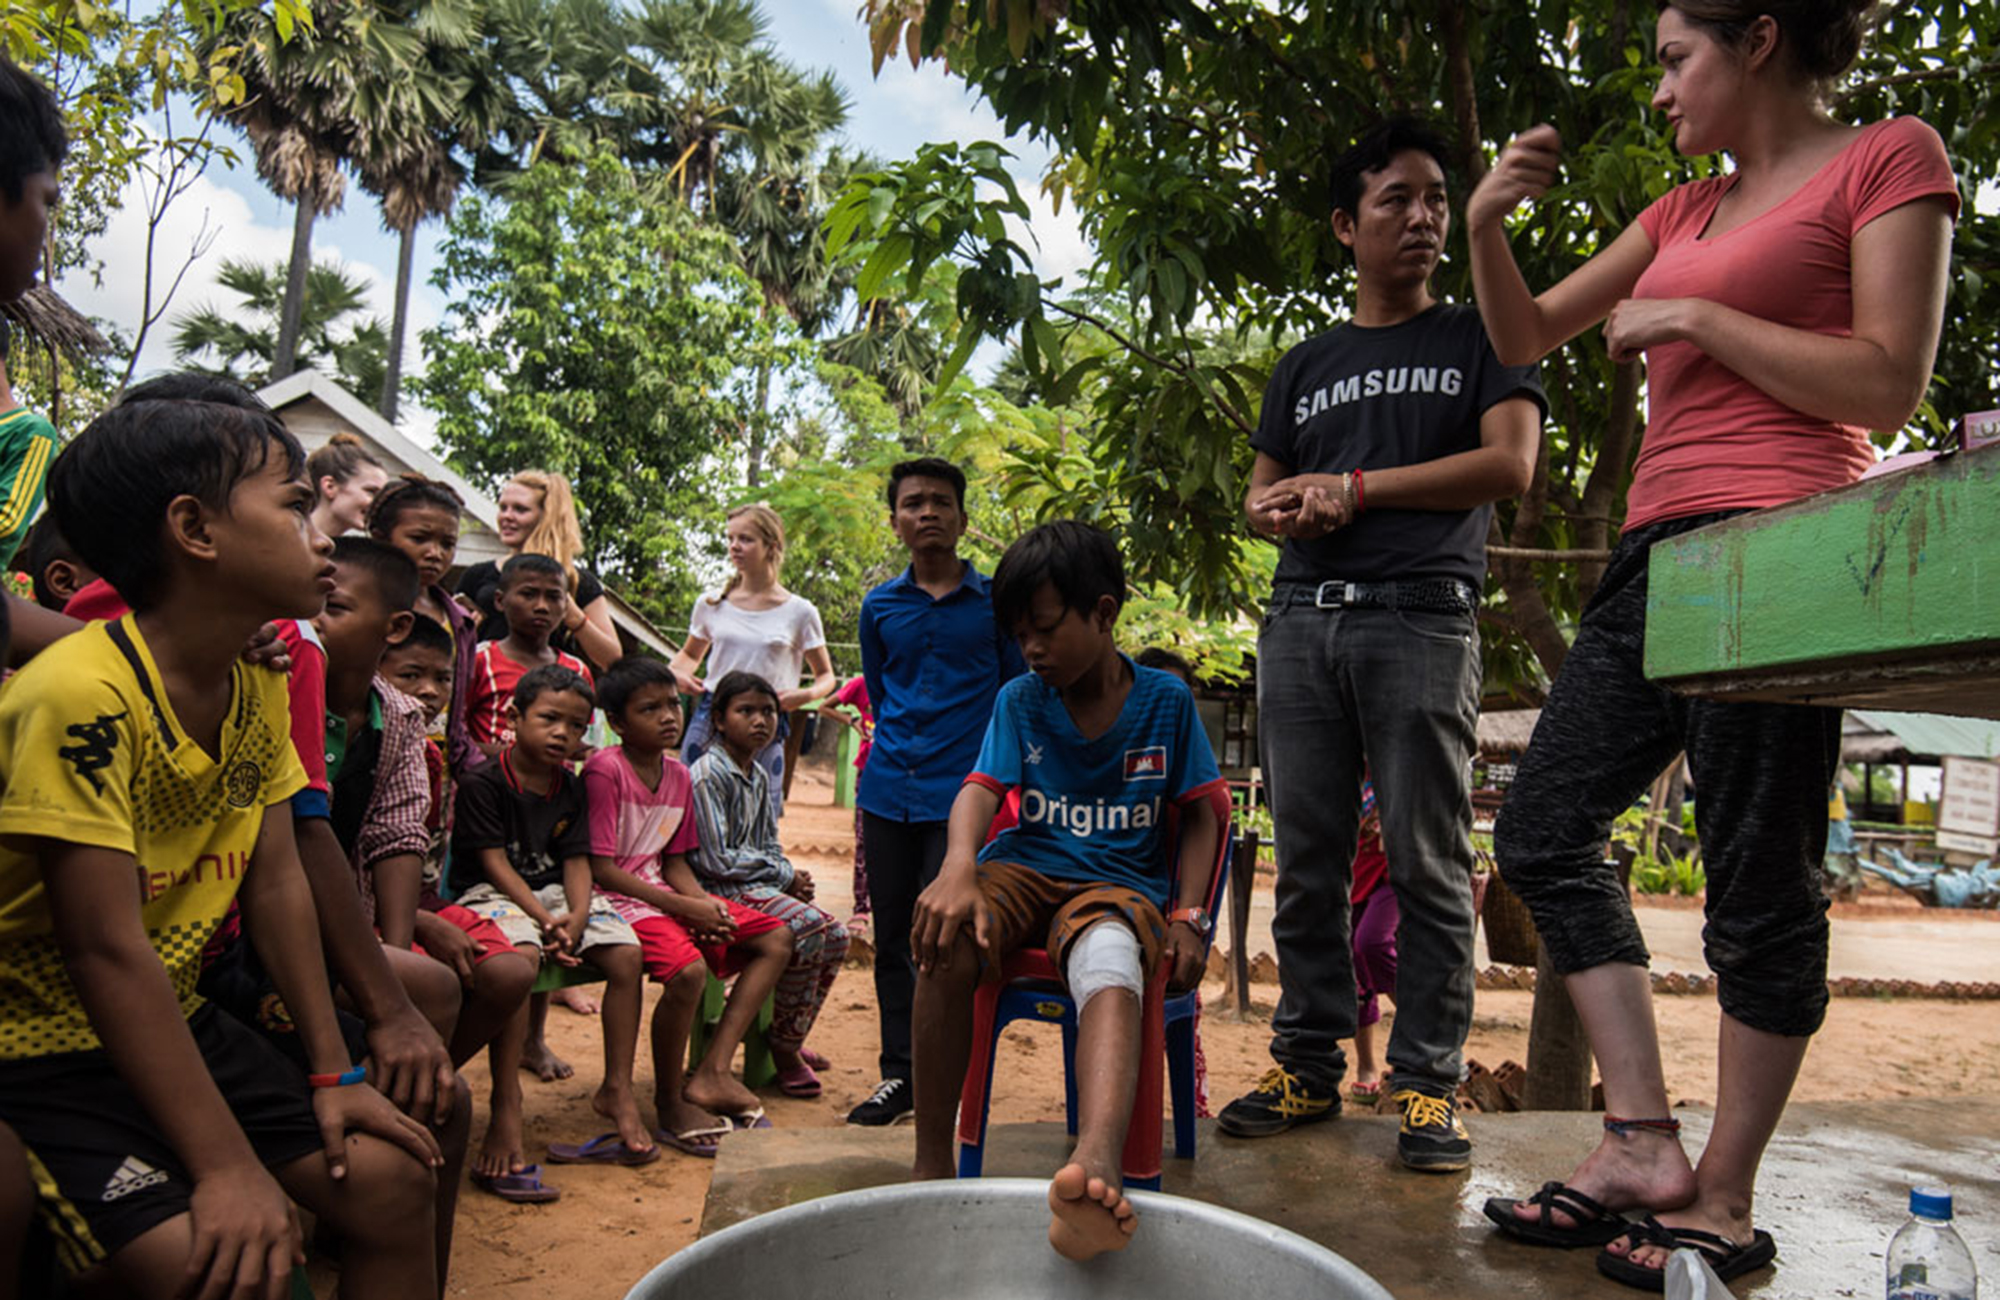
(1510, 929)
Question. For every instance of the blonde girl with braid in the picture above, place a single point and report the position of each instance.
(755, 625)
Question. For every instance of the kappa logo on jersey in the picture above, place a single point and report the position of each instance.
(135, 1175)
(1148, 764)
(1034, 758)
(92, 751)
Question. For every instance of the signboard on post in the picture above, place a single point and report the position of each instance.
(1969, 806)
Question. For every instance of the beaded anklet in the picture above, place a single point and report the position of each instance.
(1623, 1127)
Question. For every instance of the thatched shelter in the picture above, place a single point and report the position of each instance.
(42, 317)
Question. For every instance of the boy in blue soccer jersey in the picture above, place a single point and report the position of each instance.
(1100, 749)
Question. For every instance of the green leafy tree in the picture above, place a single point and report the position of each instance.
(1194, 140)
(336, 332)
(594, 329)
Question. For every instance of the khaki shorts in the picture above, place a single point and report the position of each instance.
(1031, 910)
(604, 927)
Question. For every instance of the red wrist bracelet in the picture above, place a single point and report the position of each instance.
(351, 1075)
(1360, 499)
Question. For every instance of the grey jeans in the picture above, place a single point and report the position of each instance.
(1394, 693)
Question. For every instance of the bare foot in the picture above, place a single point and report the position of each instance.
(622, 1108)
(1091, 1216)
(719, 1093)
(579, 1000)
(1636, 1171)
(538, 1060)
(500, 1152)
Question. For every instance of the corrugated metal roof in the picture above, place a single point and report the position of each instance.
(1933, 735)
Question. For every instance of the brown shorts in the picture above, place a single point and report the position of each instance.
(1032, 911)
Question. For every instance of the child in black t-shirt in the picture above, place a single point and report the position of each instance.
(520, 857)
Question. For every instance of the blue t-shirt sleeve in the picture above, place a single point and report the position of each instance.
(1000, 754)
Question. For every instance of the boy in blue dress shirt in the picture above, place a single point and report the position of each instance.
(1100, 750)
(934, 658)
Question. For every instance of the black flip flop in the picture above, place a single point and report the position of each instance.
(1728, 1259)
(1595, 1224)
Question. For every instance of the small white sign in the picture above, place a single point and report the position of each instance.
(1986, 846)
(1969, 803)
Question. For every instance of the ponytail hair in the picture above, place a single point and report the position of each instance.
(340, 460)
(402, 495)
(557, 534)
(1820, 38)
(770, 528)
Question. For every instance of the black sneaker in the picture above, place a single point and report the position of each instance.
(1433, 1137)
(890, 1101)
(1281, 1100)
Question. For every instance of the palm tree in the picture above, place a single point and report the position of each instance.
(241, 342)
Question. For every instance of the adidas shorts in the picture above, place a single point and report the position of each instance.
(103, 1173)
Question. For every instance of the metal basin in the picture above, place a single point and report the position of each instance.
(987, 1239)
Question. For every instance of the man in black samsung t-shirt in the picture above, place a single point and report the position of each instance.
(1380, 451)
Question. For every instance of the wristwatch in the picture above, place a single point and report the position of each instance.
(1198, 917)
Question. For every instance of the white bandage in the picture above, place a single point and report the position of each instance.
(1106, 956)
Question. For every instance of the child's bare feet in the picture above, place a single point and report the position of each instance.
(578, 1000)
(622, 1108)
(1090, 1216)
(538, 1060)
(679, 1116)
(500, 1153)
(719, 1092)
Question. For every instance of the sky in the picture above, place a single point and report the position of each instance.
(889, 117)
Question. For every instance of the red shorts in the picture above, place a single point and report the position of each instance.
(491, 942)
(667, 949)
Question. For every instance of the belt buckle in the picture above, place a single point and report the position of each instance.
(1342, 595)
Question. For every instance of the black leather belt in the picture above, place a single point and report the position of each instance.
(1434, 595)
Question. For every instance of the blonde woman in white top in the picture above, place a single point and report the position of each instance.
(755, 625)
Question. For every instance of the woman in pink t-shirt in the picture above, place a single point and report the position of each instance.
(1783, 310)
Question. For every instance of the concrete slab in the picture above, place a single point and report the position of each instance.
(1833, 1190)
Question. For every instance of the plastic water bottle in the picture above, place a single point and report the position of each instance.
(1928, 1260)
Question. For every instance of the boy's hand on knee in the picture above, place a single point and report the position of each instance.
(448, 944)
(358, 1108)
(1184, 956)
(245, 1236)
(948, 904)
(409, 1064)
(802, 887)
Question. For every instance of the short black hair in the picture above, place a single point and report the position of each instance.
(737, 683)
(1082, 562)
(32, 138)
(43, 546)
(394, 573)
(547, 679)
(427, 634)
(193, 386)
(513, 570)
(622, 680)
(1165, 660)
(927, 467)
(1376, 149)
(109, 489)
(402, 495)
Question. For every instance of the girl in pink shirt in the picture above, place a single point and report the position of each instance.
(1783, 310)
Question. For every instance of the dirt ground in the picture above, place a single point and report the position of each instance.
(612, 1225)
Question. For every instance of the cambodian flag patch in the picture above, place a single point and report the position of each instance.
(1148, 764)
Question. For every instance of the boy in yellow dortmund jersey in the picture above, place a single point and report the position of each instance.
(137, 768)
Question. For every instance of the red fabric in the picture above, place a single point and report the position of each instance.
(491, 942)
(97, 602)
(1713, 440)
(666, 948)
(307, 689)
(494, 676)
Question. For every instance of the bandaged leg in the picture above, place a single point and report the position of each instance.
(1106, 956)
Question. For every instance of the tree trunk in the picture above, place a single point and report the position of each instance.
(392, 374)
(1558, 1049)
(1464, 97)
(285, 359)
(759, 422)
(1607, 475)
